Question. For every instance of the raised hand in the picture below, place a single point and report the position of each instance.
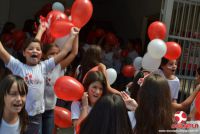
(85, 100)
(74, 31)
(131, 104)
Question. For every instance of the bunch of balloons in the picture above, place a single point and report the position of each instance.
(157, 48)
(59, 24)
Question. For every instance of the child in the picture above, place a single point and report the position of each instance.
(168, 69)
(154, 111)
(95, 85)
(108, 116)
(49, 95)
(91, 58)
(14, 118)
(33, 73)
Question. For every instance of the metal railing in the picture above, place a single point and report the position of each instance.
(182, 18)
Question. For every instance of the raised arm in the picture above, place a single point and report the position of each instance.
(64, 63)
(64, 50)
(4, 55)
(102, 68)
(185, 104)
(41, 30)
(84, 110)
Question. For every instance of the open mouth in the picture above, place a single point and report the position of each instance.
(33, 56)
(17, 105)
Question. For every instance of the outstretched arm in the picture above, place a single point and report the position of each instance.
(4, 55)
(64, 63)
(84, 110)
(64, 50)
(41, 30)
(102, 68)
(185, 104)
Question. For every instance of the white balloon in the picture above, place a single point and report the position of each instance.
(61, 41)
(58, 6)
(149, 63)
(137, 63)
(157, 48)
(111, 75)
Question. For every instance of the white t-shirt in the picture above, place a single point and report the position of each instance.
(49, 95)
(34, 77)
(131, 115)
(6, 128)
(174, 85)
(76, 110)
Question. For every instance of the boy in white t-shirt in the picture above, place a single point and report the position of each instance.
(33, 73)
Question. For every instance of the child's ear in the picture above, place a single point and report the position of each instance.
(23, 53)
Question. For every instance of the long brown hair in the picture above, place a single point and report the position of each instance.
(154, 110)
(5, 86)
(91, 58)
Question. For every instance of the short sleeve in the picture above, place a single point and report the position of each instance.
(75, 110)
(14, 65)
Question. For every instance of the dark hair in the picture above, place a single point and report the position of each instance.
(5, 86)
(29, 41)
(47, 47)
(8, 27)
(135, 86)
(164, 61)
(108, 116)
(198, 70)
(91, 58)
(95, 76)
(154, 110)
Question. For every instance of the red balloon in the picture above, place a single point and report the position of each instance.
(124, 53)
(91, 37)
(60, 28)
(173, 50)
(7, 40)
(197, 116)
(19, 38)
(68, 88)
(128, 70)
(81, 12)
(111, 39)
(55, 15)
(62, 117)
(47, 38)
(99, 32)
(157, 29)
(197, 102)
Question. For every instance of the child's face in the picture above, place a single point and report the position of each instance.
(170, 67)
(95, 91)
(14, 102)
(33, 53)
(52, 52)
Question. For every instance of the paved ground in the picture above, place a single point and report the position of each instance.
(65, 131)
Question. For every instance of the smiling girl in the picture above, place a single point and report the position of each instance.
(33, 73)
(13, 116)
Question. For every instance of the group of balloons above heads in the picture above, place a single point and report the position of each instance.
(157, 48)
(59, 24)
(58, 28)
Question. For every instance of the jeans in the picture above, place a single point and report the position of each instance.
(48, 122)
(34, 124)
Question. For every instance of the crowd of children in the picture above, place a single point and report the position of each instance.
(28, 100)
